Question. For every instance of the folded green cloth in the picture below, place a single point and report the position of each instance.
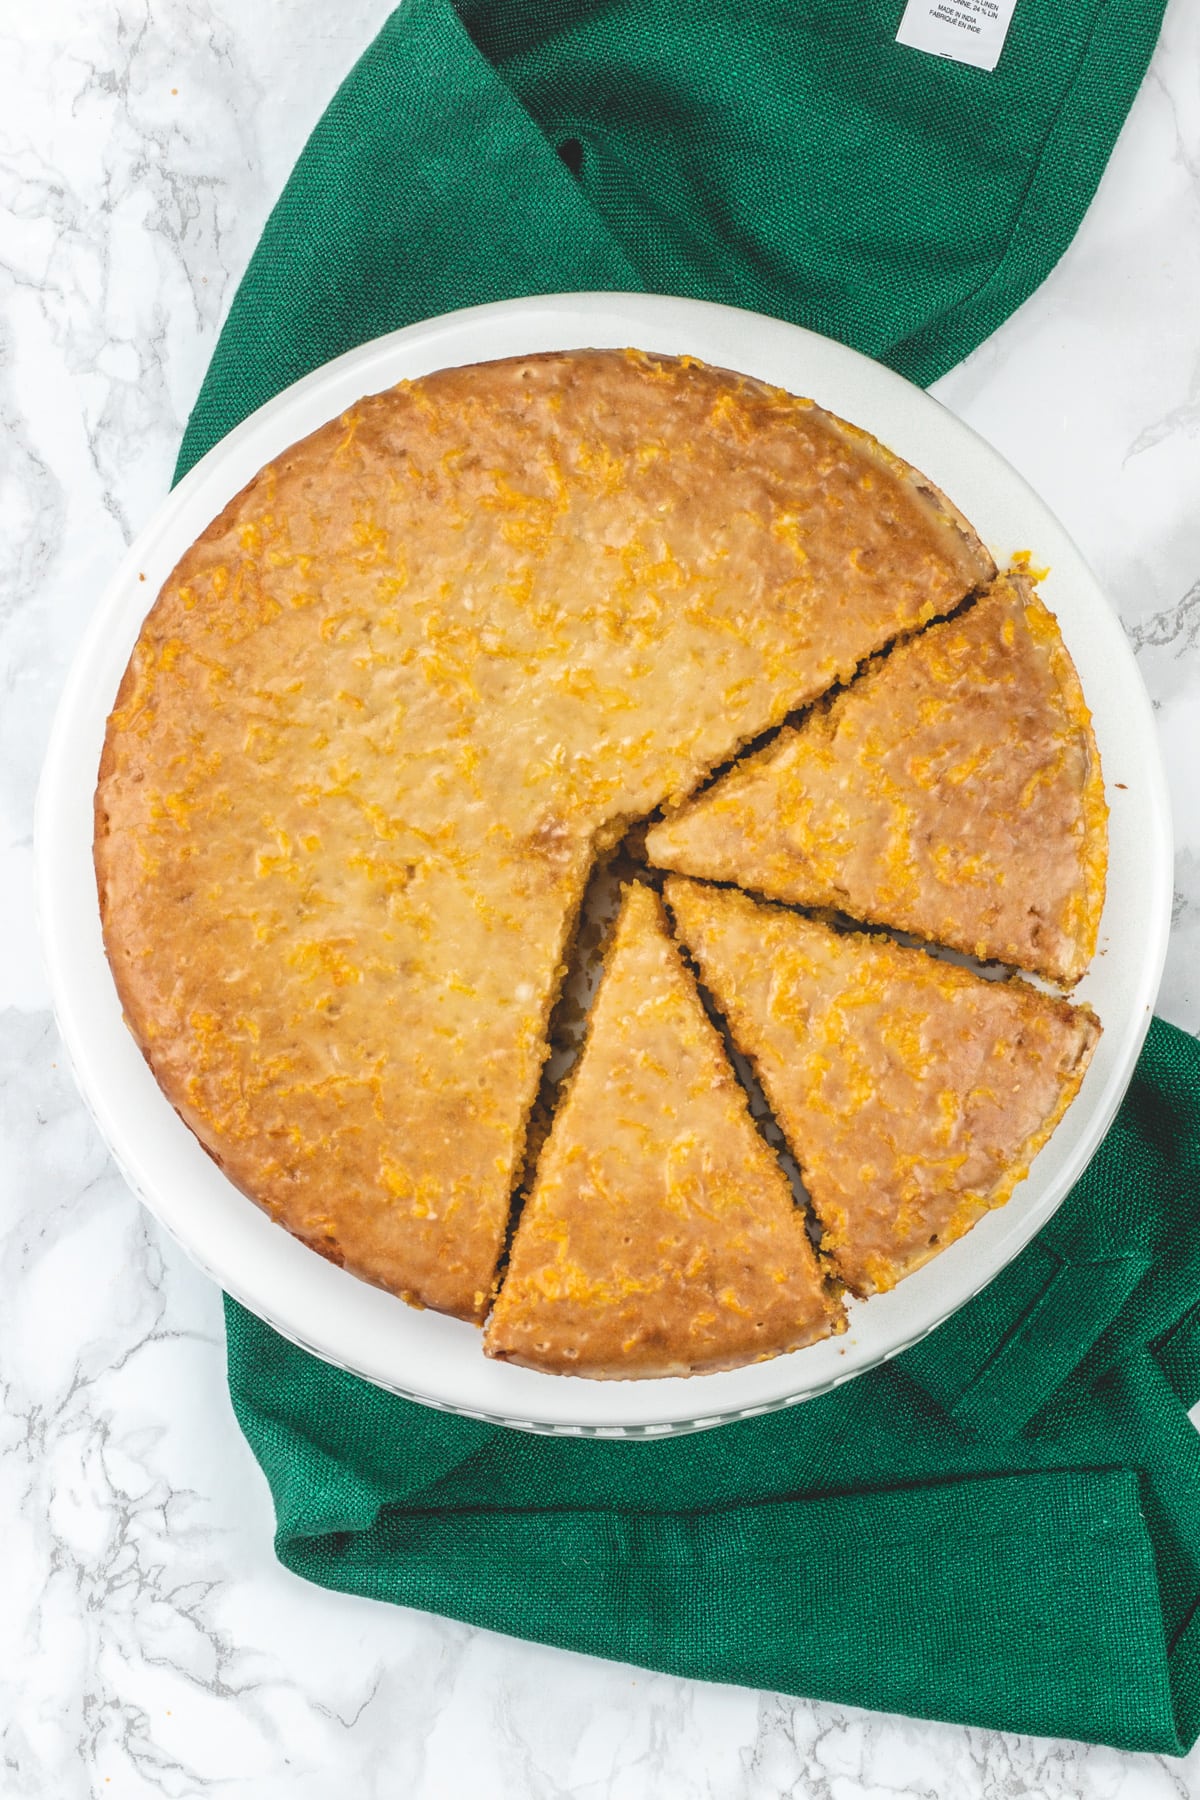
(1003, 1526)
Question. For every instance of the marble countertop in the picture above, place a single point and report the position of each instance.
(149, 1643)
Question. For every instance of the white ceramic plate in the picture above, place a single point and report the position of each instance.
(439, 1360)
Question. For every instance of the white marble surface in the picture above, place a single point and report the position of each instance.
(149, 1645)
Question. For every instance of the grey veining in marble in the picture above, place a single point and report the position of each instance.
(149, 1644)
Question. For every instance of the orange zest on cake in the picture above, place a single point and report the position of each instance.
(952, 791)
(914, 1093)
(394, 701)
(660, 1236)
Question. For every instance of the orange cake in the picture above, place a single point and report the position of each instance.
(914, 1094)
(952, 791)
(390, 706)
(660, 1236)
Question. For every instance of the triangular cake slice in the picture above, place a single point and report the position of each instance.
(953, 791)
(914, 1094)
(660, 1236)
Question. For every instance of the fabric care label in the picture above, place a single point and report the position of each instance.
(966, 31)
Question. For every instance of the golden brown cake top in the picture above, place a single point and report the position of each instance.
(661, 1236)
(914, 1093)
(388, 705)
(953, 790)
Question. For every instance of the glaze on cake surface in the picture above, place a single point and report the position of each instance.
(394, 701)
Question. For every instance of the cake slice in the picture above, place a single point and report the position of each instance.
(660, 1236)
(953, 791)
(914, 1094)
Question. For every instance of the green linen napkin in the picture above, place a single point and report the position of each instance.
(1003, 1526)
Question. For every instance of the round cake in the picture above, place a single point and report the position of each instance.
(437, 662)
